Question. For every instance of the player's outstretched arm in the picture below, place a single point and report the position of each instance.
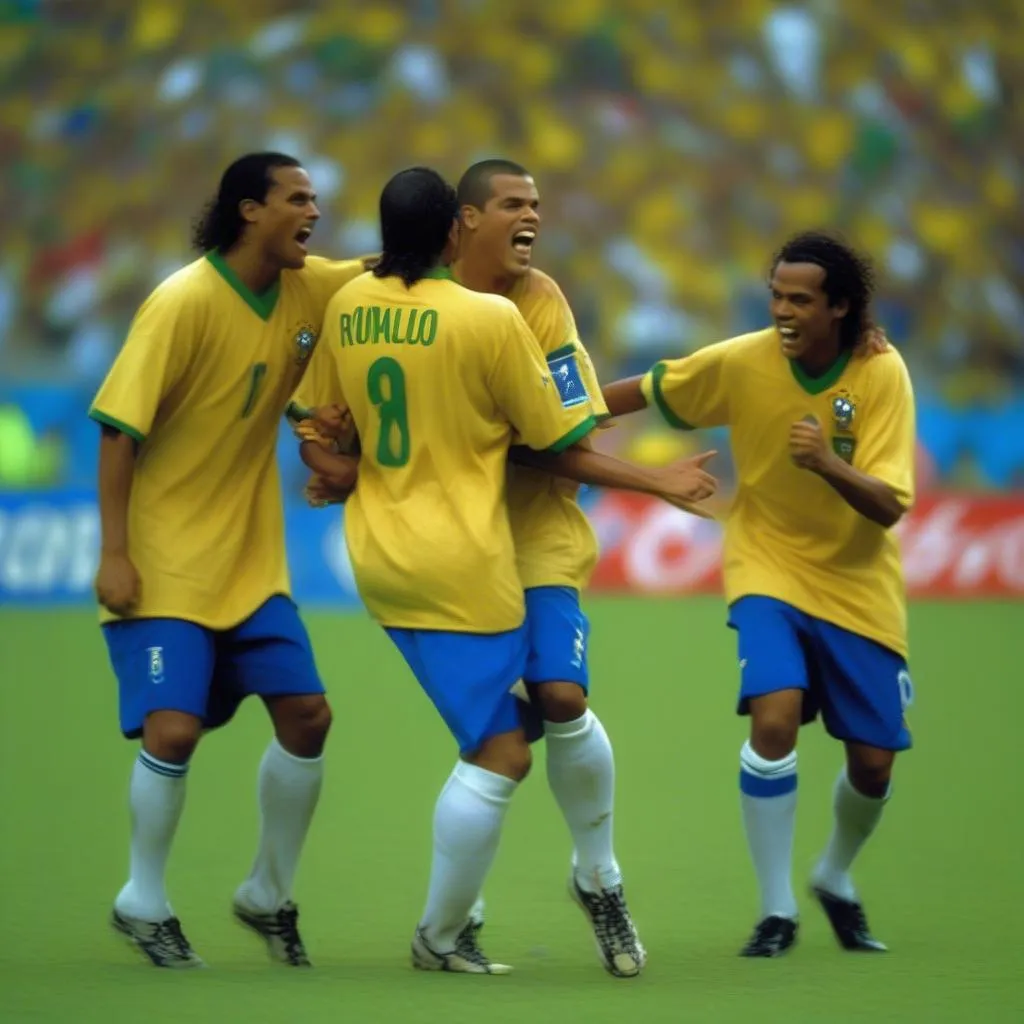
(683, 483)
(872, 498)
(117, 583)
(624, 396)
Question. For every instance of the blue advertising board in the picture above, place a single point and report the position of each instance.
(49, 545)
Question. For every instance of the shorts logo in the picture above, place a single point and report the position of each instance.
(156, 665)
(305, 342)
(906, 689)
(579, 649)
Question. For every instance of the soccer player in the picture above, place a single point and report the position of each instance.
(192, 574)
(555, 545)
(556, 550)
(437, 379)
(822, 428)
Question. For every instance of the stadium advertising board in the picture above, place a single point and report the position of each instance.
(954, 545)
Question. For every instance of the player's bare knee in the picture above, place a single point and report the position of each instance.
(775, 723)
(301, 723)
(507, 754)
(560, 702)
(869, 769)
(171, 736)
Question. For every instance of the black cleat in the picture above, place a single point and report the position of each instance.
(849, 923)
(163, 943)
(279, 930)
(772, 937)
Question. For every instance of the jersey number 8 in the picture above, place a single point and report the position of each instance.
(385, 383)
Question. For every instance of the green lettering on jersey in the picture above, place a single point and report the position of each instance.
(427, 331)
(380, 321)
(385, 385)
(410, 329)
(346, 330)
(361, 325)
(256, 375)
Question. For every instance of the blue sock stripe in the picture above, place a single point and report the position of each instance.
(170, 771)
(759, 786)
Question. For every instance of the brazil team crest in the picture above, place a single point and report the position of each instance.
(305, 342)
(844, 412)
(844, 409)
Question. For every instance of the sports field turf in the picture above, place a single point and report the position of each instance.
(943, 878)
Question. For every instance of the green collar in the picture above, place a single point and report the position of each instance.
(815, 385)
(439, 274)
(262, 305)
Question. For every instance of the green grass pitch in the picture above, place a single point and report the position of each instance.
(943, 877)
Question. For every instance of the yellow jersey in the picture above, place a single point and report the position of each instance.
(201, 383)
(438, 379)
(788, 534)
(555, 543)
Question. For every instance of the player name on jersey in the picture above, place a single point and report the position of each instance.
(390, 325)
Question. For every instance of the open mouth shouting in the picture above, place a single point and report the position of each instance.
(790, 336)
(522, 242)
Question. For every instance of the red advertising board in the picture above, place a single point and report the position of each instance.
(954, 545)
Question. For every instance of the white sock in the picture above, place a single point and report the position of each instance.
(768, 798)
(289, 787)
(581, 773)
(467, 826)
(156, 797)
(856, 816)
(476, 912)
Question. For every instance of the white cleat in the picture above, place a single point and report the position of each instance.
(279, 930)
(465, 958)
(162, 942)
(618, 944)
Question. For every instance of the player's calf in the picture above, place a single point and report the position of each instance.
(768, 793)
(859, 797)
(869, 769)
(301, 722)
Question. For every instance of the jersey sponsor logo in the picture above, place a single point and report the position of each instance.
(304, 341)
(565, 372)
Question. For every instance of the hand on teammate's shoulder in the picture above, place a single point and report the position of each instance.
(874, 341)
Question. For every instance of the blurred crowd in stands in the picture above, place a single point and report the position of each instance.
(674, 144)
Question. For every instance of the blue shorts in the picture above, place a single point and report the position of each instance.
(558, 635)
(468, 677)
(861, 688)
(176, 665)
